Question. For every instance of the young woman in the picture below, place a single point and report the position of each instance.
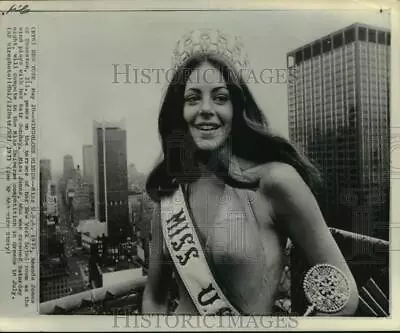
(247, 191)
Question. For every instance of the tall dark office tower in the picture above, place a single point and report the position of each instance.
(111, 179)
(45, 176)
(68, 167)
(339, 116)
(88, 163)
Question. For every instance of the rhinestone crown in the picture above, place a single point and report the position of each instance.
(209, 41)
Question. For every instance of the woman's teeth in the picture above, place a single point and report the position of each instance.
(207, 127)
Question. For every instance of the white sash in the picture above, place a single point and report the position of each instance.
(187, 254)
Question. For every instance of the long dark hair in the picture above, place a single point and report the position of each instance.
(250, 137)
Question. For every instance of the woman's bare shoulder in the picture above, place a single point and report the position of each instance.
(290, 197)
(279, 177)
(273, 175)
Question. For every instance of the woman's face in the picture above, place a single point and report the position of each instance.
(207, 107)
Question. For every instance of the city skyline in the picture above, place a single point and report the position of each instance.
(67, 104)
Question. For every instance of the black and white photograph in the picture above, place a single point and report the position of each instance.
(213, 163)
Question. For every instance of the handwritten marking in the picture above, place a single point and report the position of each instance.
(22, 9)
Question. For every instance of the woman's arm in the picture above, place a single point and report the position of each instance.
(160, 271)
(296, 208)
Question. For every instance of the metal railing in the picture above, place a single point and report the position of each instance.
(93, 297)
(368, 259)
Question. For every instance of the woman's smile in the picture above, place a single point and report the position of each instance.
(207, 130)
(207, 127)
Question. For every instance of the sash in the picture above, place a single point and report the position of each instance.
(188, 256)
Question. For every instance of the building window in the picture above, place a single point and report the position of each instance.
(381, 37)
(372, 35)
(362, 33)
(299, 57)
(349, 35)
(326, 45)
(337, 40)
(307, 53)
(316, 49)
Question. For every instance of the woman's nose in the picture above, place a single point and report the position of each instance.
(206, 107)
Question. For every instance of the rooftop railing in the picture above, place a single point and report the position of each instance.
(128, 291)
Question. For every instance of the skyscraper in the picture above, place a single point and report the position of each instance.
(339, 116)
(88, 163)
(111, 179)
(82, 201)
(45, 176)
(68, 167)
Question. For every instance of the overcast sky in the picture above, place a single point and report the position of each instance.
(77, 52)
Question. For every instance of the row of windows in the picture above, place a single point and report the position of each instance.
(56, 288)
(337, 80)
(340, 111)
(337, 58)
(374, 36)
(372, 56)
(52, 295)
(53, 283)
(333, 42)
(349, 52)
(117, 202)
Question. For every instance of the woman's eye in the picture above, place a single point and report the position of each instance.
(191, 99)
(221, 98)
